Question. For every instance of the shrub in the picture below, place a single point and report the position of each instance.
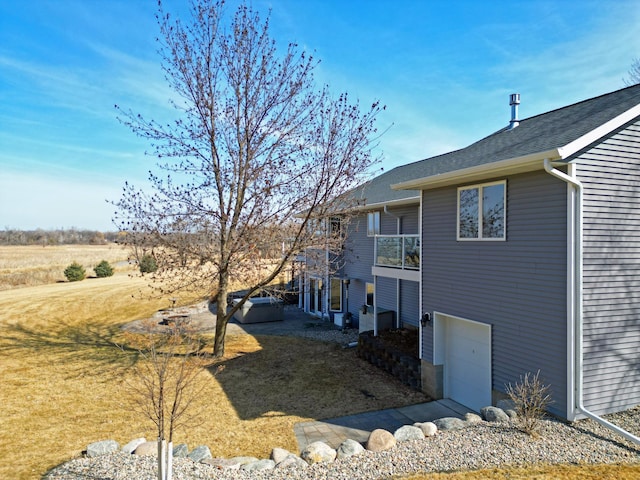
(148, 264)
(531, 399)
(103, 269)
(75, 272)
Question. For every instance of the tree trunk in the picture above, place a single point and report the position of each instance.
(221, 317)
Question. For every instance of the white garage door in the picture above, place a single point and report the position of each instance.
(467, 362)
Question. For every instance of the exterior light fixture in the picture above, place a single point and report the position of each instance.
(425, 319)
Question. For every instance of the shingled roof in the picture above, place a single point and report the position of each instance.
(555, 135)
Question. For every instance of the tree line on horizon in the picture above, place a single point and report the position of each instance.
(60, 236)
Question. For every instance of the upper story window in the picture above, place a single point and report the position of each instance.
(373, 224)
(481, 211)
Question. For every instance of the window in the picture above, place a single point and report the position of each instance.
(336, 295)
(373, 224)
(369, 300)
(481, 212)
(335, 226)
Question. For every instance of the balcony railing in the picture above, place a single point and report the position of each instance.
(398, 251)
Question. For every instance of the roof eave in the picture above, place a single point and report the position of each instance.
(599, 132)
(509, 166)
(392, 203)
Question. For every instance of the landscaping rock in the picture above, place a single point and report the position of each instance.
(349, 448)
(318, 452)
(509, 408)
(408, 433)
(279, 454)
(258, 465)
(429, 429)
(494, 414)
(103, 447)
(511, 414)
(243, 460)
(223, 463)
(146, 448)
(472, 418)
(292, 460)
(380, 440)
(200, 453)
(180, 451)
(133, 444)
(449, 423)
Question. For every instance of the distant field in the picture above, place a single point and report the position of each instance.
(28, 266)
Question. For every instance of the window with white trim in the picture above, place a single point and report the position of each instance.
(482, 211)
(373, 224)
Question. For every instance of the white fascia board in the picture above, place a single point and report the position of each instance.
(509, 166)
(597, 133)
(397, 273)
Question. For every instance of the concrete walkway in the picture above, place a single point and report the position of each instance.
(357, 427)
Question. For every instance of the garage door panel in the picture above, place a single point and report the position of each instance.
(467, 365)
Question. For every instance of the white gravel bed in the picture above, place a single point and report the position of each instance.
(478, 446)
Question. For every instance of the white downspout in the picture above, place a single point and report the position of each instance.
(575, 259)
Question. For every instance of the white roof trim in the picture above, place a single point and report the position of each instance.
(391, 203)
(599, 132)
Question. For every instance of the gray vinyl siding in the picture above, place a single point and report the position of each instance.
(610, 173)
(358, 261)
(409, 303)
(409, 220)
(387, 294)
(518, 286)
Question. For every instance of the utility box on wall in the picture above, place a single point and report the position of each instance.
(385, 320)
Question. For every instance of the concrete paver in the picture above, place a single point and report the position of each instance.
(334, 431)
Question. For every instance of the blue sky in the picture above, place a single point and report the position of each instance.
(444, 70)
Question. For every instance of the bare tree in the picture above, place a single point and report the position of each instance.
(634, 73)
(164, 383)
(257, 155)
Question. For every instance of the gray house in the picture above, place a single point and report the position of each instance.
(378, 273)
(519, 253)
(530, 259)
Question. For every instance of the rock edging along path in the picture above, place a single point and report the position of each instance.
(442, 445)
(379, 440)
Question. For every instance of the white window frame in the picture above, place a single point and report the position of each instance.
(480, 187)
(373, 224)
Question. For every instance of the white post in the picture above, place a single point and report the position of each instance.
(161, 458)
(169, 469)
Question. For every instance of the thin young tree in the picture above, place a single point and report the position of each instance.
(165, 383)
(258, 153)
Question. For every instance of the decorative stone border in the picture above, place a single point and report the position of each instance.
(317, 452)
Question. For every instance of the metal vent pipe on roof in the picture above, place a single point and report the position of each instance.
(514, 101)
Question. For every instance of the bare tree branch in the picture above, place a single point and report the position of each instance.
(256, 155)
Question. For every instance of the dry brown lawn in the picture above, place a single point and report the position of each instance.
(64, 380)
(27, 266)
(64, 384)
